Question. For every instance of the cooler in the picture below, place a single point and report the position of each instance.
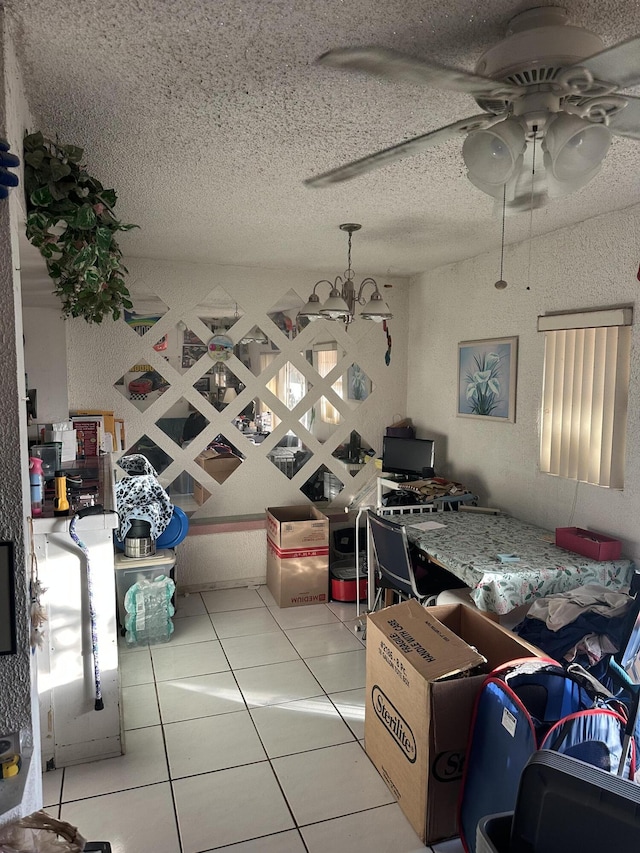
(130, 570)
(344, 584)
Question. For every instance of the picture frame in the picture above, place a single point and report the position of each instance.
(487, 372)
(358, 384)
(7, 600)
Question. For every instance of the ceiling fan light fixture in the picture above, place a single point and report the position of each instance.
(575, 148)
(492, 155)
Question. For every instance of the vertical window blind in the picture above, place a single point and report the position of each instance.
(584, 398)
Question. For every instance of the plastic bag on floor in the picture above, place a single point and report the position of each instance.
(40, 833)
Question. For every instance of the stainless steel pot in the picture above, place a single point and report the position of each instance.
(138, 542)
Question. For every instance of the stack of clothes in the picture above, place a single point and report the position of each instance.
(582, 625)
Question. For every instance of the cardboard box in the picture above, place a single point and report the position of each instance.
(297, 555)
(597, 546)
(200, 494)
(418, 712)
(218, 465)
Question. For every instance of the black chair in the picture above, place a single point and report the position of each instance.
(396, 569)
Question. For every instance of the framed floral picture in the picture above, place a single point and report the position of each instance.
(487, 379)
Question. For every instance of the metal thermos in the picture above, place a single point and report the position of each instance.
(138, 542)
(60, 501)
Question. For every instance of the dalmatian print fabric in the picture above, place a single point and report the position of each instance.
(141, 496)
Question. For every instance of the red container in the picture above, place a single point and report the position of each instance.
(589, 543)
(344, 586)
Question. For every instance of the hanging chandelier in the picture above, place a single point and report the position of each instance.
(343, 298)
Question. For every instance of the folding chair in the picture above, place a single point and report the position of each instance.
(395, 568)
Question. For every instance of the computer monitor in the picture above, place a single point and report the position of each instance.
(412, 457)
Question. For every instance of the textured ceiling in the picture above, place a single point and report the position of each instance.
(207, 116)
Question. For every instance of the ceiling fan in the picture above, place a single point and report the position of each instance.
(548, 92)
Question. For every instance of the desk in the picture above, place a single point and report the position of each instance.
(467, 546)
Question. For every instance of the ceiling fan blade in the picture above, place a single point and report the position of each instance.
(619, 64)
(403, 149)
(627, 121)
(393, 65)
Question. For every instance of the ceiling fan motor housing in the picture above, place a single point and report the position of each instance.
(539, 44)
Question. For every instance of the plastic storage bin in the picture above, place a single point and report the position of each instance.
(130, 571)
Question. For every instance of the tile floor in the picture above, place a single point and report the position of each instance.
(243, 733)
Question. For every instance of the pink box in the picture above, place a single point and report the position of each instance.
(589, 543)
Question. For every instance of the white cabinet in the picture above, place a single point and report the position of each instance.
(72, 731)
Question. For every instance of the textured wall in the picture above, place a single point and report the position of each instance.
(588, 265)
(17, 681)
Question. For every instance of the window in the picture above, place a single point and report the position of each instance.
(584, 397)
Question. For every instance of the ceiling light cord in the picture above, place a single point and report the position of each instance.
(501, 283)
(533, 177)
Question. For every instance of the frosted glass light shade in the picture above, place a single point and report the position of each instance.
(576, 148)
(376, 309)
(492, 156)
(312, 309)
(335, 308)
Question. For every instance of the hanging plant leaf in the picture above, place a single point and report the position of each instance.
(83, 258)
(41, 197)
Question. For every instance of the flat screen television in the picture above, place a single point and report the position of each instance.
(411, 457)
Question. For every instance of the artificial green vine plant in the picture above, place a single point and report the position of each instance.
(84, 260)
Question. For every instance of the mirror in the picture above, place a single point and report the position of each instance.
(219, 311)
(321, 419)
(182, 422)
(256, 351)
(147, 310)
(148, 448)
(289, 454)
(354, 386)
(284, 314)
(323, 352)
(354, 453)
(142, 385)
(322, 485)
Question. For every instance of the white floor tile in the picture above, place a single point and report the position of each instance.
(283, 842)
(346, 610)
(258, 650)
(344, 671)
(182, 661)
(136, 669)
(381, 830)
(350, 705)
(277, 683)
(51, 787)
(243, 623)
(300, 726)
(192, 629)
(138, 821)
(265, 595)
(228, 806)
(200, 696)
(302, 617)
(190, 605)
(140, 706)
(323, 640)
(143, 764)
(217, 600)
(212, 743)
(341, 780)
